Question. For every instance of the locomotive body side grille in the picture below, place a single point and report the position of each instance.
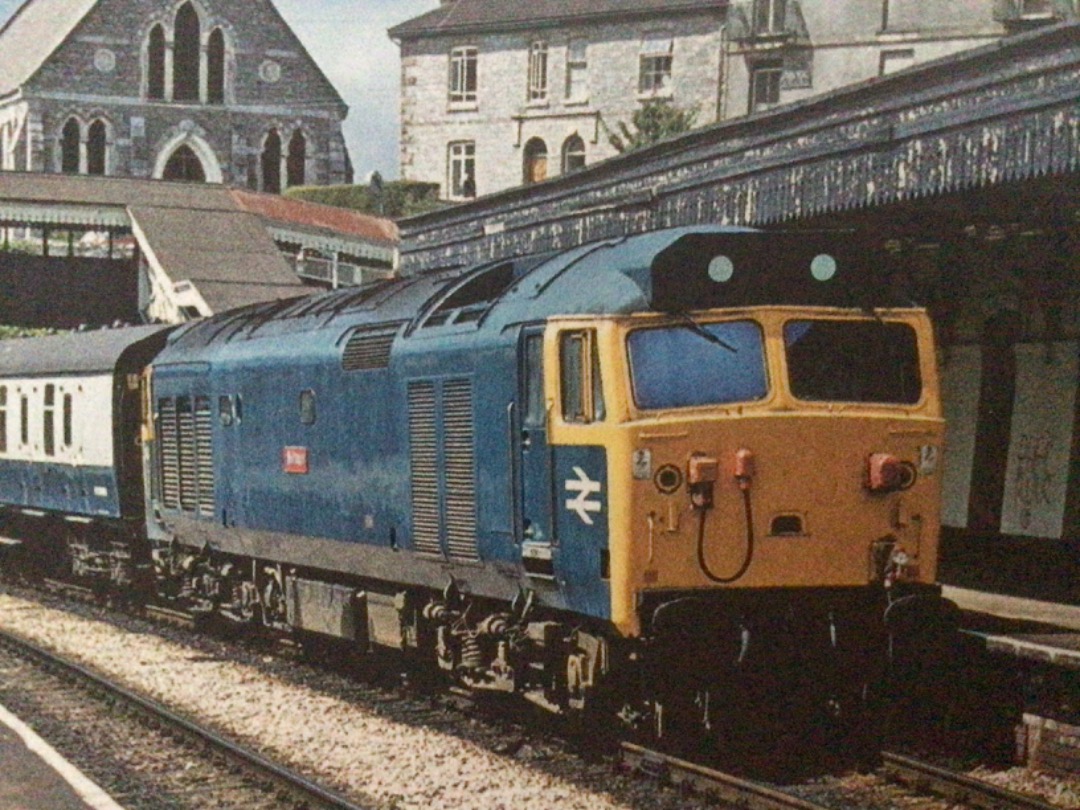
(204, 455)
(459, 459)
(189, 488)
(169, 452)
(424, 467)
(367, 350)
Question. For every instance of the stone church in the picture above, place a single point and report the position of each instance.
(201, 90)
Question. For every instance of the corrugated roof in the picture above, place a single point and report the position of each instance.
(37, 29)
(476, 15)
(306, 214)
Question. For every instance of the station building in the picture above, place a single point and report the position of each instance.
(961, 178)
(495, 94)
(201, 90)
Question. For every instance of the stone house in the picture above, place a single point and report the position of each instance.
(200, 90)
(497, 93)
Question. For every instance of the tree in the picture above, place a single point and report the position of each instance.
(393, 199)
(654, 121)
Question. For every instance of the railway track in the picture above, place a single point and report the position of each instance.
(921, 777)
(288, 787)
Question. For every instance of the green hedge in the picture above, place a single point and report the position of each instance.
(398, 198)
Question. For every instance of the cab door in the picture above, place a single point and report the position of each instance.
(534, 527)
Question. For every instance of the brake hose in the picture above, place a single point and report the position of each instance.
(749, 544)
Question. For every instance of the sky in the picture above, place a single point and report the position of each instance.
(348, 39)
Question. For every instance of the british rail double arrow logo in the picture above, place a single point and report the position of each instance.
(582, 503)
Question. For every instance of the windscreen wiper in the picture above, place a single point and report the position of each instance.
(701, 331)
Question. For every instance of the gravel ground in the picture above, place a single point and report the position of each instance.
(359, 749)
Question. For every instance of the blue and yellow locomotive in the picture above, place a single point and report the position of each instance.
(657, 467)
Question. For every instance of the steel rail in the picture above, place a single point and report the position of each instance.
(725, 787)
(956, 786)
(256, 764)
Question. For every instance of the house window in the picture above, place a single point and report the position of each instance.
(461, 174)
(577, 70)
(69, 146)
(186, 54)
(96, 141)
(155, 64)
(892, 61)
(270, 162)
(215, 67)
(765, 86)
(48, 423)
(538, 78)
(295, 164)
(463, 63)
(3, 418)
(654, 77)
(769, 16)
(573, 154)
(1035, 9)
(535, 165)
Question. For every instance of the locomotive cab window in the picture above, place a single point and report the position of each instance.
(691, 364)
(853, 361)
(307, 407)
(582, 391)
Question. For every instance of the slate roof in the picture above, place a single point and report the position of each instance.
(32, 33)
(486, 15)
(212, 235)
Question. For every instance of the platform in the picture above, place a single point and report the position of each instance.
(33, 776)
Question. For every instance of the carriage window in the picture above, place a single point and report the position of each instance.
(3, 418)
(853, 361)
(307, 407)
(694, 364)
(24, 419)
(67, 420)
(582, 392)
(48, 426)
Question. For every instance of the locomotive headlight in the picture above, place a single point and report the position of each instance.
(886, 473)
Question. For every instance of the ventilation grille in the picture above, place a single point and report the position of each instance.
(170, 454)
(186, 436)
(204, 455)
(424, 467)
(367, 350)
(459, 464)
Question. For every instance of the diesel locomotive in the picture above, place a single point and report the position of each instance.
(681, 475)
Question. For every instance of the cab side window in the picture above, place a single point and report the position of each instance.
(582, 391)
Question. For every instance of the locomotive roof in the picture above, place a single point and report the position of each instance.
(71, 352)
(669, 270)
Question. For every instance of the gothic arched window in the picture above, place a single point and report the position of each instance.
(69, 146)
(271, 163)
(155, 64)
(295, 164)
(184, 164)
(96, 142)
(186, 54)
(215, 67)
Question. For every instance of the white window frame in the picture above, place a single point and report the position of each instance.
(460, 164)
(577, 70)
(538, 72)
(771, 20)
(656, 64)
(775, 73)
(464, 74)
